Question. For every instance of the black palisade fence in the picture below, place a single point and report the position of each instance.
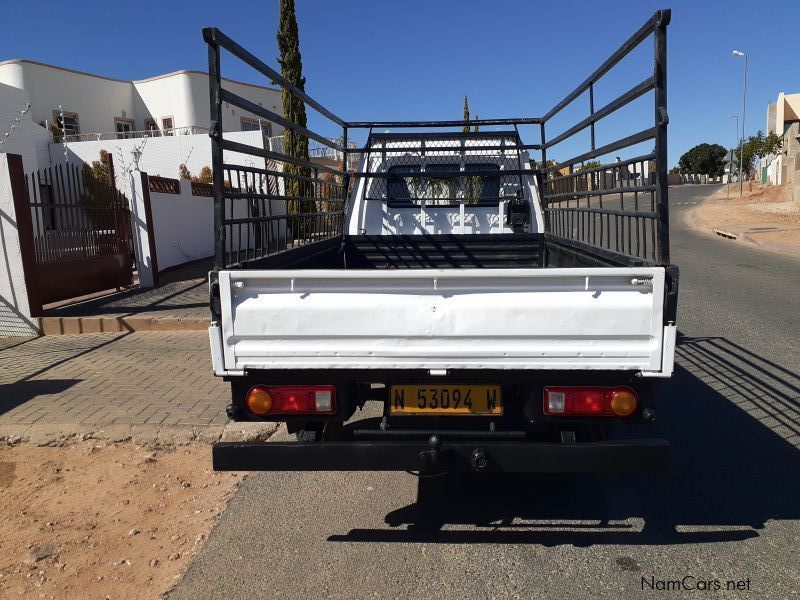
(75, 217)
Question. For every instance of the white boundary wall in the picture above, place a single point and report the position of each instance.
(15, 313)
(183, 225)
(162, 156)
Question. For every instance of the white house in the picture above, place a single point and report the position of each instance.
(783, 118)
(91, 107)
(19, 134)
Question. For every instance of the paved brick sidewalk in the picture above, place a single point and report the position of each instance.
(174, 306)
(178, 299)
(95, 380)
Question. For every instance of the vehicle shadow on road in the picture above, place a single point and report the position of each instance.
(733, 421)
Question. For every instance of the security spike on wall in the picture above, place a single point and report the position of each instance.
(14, 123)
(63, 131)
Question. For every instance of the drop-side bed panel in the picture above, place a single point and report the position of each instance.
(606, 318)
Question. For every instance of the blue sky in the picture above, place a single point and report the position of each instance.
(416, 59)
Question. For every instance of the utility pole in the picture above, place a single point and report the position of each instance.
(732, 154)
(744, 107)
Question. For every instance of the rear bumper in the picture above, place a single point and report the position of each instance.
(490, 456)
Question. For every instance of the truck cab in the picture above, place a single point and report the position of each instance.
(445, 184)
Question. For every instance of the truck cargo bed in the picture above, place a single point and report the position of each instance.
(477, 251)
(601, 318)
(440, 251)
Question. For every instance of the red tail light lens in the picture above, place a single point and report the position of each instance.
(590, 401)
(265, 400)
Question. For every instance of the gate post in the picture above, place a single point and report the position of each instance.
(19, 298)
(142, 236)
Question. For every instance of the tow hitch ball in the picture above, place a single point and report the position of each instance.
(478, 459)
(432, 457)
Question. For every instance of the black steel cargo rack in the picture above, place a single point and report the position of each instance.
(616, 211)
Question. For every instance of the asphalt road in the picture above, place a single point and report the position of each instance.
(727, 509)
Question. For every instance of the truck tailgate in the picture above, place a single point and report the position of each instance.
(571, 318)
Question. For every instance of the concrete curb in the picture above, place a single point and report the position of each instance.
(78, 325)
(725, 234)
(154, 436)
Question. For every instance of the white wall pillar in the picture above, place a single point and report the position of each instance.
(141, 236)
(15, 310)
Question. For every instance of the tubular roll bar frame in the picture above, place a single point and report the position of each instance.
(656, 25)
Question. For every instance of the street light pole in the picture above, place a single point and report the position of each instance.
(744, 107)
(730, 166)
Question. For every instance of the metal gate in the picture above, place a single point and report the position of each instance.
(81, 233)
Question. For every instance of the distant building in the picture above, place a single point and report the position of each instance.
(81, 109)
(95, 106)
(783, 118)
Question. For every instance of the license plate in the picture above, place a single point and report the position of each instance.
(446, 400)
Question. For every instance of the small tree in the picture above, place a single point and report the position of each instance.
(99, 193)
(330, 189)
(707, 159)
(747, 152)
(294, 109)
(758, 146)
(772, 145)
(206, 176)
(475, 128)
(465, 128)
(591, 164)
(54, 131)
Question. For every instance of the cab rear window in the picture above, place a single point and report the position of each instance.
(408, 186)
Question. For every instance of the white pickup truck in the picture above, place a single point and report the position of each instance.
(505, 312)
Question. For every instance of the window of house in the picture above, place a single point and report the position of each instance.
(250, 124)
(69, 124)
(150, 127)
(123, 127)
(168, 125)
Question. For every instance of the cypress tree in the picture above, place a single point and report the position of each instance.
(294, 109)
(465, 128)
(475, 128)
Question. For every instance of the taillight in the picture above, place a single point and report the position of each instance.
(590, 401)
(263, 400)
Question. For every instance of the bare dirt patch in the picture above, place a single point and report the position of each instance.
(95, 519)
(764, 216)
(762, 203)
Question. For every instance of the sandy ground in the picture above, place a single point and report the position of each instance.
(764, 216)
(95, 519)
